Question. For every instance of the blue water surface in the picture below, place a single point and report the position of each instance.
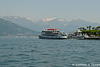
(34, 52)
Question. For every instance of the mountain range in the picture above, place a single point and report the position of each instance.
(58, 23)
(7, 28)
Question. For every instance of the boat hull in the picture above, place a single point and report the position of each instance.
(92, 38)
(76, 37)
(52, 37)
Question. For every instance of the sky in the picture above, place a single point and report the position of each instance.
(88, 10)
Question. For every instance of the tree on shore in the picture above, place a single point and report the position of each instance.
(93, 28)
(97, 27)
(81, 28)
(89, 27)
(95, 31)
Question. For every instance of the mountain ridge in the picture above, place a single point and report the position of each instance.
(59, 23)
(7, 28)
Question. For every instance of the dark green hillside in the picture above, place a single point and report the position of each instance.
(9, 28)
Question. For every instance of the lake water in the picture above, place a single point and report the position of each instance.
(34, 52)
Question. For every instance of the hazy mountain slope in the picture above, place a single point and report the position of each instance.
(74, 24)
(23, 22)
(9, 28)
(65, 25)
(60, 24)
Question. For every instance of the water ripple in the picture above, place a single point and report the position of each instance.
(34, 52)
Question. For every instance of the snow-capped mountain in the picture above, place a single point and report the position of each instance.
(61, 24)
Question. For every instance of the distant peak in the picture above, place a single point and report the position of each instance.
(1, 16)
(76, 18)
(48, 19)
(9, 17)
(60, 19)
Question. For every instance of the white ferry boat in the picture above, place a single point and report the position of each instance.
(52, 34)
